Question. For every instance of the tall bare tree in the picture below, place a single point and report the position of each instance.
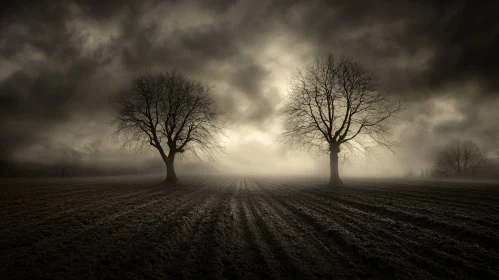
(459, 159)
(171, 113)
(337, 102)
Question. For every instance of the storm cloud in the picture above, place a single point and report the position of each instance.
(62, 61)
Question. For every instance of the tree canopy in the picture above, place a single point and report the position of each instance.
(337, 102)
(170, 112)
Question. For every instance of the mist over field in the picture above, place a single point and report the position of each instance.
(249, 139)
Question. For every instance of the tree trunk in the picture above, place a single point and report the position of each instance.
(334, 176)
(170, 169)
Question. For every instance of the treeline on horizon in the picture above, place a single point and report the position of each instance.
(72, 163)
(69, 162)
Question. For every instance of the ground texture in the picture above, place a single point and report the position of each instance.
(247, 228)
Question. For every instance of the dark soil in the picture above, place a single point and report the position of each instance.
(247, 228)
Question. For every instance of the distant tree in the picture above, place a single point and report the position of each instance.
(458, 159)
(337, 102)
(171, 113)
(425, 172)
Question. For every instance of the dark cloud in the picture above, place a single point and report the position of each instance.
(465, 37)
(459, 37)
(65, 58)
(248, 77)
(478, 123)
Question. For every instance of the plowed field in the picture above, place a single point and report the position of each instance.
(247, 228)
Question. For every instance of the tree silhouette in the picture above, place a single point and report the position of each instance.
(171, 113)
(458, 158)
(337, 102)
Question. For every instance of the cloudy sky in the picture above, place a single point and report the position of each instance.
(63, 60)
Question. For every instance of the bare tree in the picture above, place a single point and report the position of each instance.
(337, 102)
(458, 158)
(171, 113)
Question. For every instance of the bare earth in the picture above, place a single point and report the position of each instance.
(247, 228)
